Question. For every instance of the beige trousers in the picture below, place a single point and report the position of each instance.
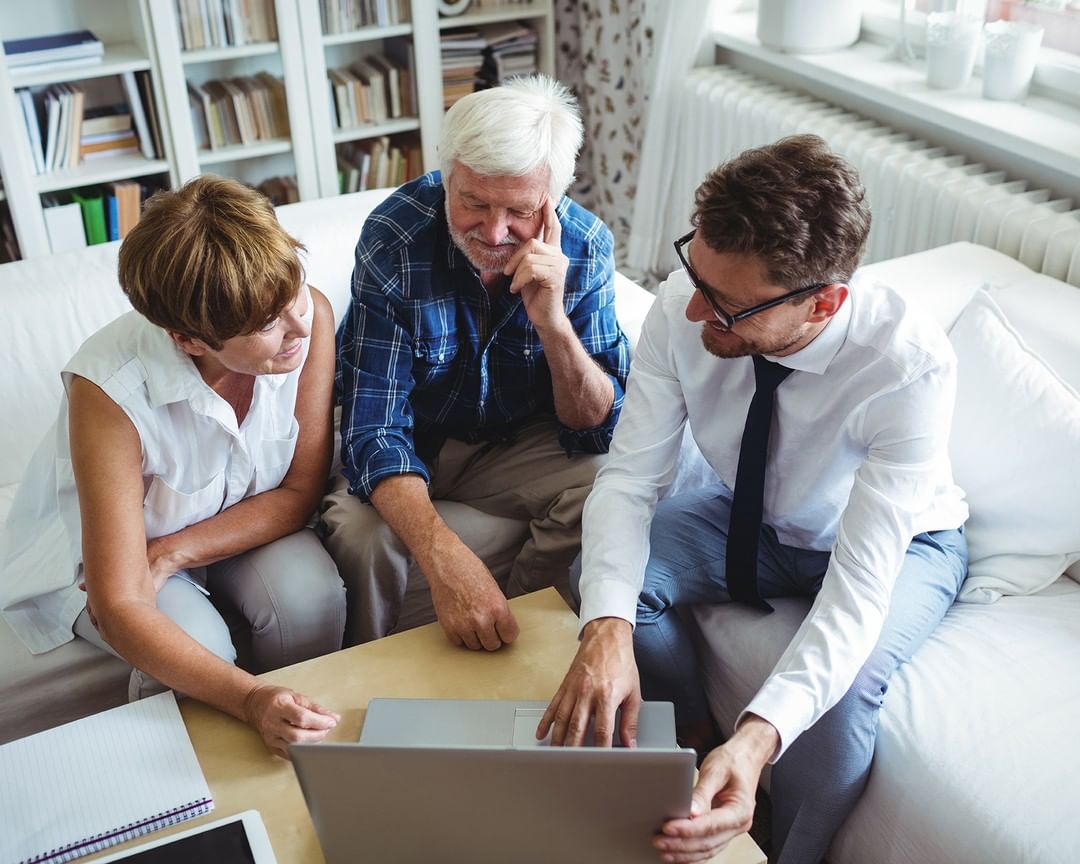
(517, 506)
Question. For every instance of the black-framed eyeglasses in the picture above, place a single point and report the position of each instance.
(726, 319)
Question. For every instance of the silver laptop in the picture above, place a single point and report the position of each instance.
(456, 780)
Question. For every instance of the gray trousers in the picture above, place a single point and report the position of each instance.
(272, 606)
(517, 506)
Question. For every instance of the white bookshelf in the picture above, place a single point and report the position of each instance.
(124, 28)
(283, 58)
(144, 35)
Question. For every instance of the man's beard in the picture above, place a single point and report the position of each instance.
(726, 347)
(483, 257)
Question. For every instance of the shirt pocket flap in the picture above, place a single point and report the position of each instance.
(174, 509)
(435, 350)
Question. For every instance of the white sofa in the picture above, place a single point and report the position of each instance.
(977, 760)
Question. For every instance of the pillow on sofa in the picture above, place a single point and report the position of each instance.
(1045, 313)
(1015, 436)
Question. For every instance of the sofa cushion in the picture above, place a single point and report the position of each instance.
(1015, 435)
(1045, 312)
(968, 765)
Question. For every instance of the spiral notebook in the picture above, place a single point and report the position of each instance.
(88, 785)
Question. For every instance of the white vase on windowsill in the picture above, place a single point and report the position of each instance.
(808, 26)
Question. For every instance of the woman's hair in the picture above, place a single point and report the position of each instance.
(210, 261)
(511, 130)
(795, 204)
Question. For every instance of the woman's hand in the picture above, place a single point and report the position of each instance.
(162, 560)
(284, 717)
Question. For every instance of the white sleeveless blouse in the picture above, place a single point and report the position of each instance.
(196, 462)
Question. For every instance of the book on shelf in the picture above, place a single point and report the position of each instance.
(127, 195)
(242, 110)
(344, 16)
(225, 23)
(106, 118)
(146, 90)
(108, 144)
(64, 225)
(280, 190)
(134, 100)
(44, 52)
(92, 206)
(33, 129)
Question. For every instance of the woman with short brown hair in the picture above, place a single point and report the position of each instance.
(192, 445)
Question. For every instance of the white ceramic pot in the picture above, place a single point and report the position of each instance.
(808, 26)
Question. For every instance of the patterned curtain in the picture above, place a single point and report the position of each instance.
(604, 53)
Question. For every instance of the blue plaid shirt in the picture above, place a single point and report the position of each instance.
(425, 353)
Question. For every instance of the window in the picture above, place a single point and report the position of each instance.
(1058, 71)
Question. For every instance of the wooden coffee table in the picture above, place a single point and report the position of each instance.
(419, 663)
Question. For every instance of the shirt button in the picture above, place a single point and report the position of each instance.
(441, 355)
(526, 352)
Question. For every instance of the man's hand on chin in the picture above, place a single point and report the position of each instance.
(602, 678)
(468, 603)
(723, 800)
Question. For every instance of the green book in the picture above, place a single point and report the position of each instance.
(93, 214)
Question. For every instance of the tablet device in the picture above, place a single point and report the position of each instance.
(239, 839)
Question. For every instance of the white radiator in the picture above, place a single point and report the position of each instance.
(921, 196)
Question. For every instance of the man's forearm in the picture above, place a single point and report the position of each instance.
(404, 504)
(583, 392)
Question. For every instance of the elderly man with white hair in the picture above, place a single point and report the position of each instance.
(480, 368)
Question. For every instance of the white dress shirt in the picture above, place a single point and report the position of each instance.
(196, 462)
(858, 465)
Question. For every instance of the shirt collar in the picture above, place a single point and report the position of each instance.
(817, 356)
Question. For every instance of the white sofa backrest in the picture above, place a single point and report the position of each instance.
(50, 306)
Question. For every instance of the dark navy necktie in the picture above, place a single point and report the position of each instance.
(745, 526)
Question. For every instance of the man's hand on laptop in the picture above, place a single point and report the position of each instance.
(468, 603)
(602, 679)
(722, 805)
(283, 717)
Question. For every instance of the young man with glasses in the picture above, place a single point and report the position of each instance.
(825, 410)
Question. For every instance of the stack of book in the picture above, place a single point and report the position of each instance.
(344, 16)
(372, 90)
(280, 190)
(377, 163)
(462, 53)
(223, 23)
(93, 216)
(239, 110)
(63, 131)
(49, 52)
(511, 50)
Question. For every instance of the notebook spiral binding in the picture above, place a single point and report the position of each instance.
(124, 833)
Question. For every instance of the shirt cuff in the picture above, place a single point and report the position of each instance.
(383, 463)
(607, 598)
(788, 709)
(598, 438)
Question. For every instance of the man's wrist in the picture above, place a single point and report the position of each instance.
(618, 628)
(558, 329)
(759, 736)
